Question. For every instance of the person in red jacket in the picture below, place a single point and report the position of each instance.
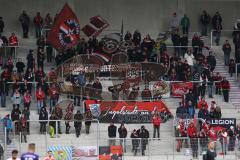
(182, 133)
(218, 78)
(38, 22)
(156, 121)
(225, 89)
(13, 41)
(52, 75)
(192, 134)
(27, 98)
(40, 95)
(212, 135)
(201, 103)
(54, 94)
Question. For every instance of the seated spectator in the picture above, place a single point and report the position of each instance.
(52, 75)
(203, 114)
(39, 74)
(41, 42)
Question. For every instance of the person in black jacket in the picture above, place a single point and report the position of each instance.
(135, 141)
(1, 25)
(205, 20)
(30, 59)
(25, 21)
(227, 51)
(217, 26)
(43, 117)
(144, 135)
(184, 43)
(122, 131)
(20, 66)
(78, 117)
(210, 85)
(182, 112)
(176, 40)
(211, 154)
(211, 60)
(112, 131)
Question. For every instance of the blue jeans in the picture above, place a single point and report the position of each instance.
(39, 105)
(210, 90)
(204, 30)
(217, 36)
(38, 31)
(226, 58)
(3, 99)
(53, 102)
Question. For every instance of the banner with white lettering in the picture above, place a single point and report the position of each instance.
(223, 122)
(128, 112)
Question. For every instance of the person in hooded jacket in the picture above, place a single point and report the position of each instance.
(135, 141)
(43, 118)
(122, 131)
(15, 116)
(78, 118)
(144, 135)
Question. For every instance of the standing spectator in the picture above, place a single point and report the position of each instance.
(225, 89)
(98, 88)
(40, 95)
(203, 140)
(40, 58)
(218, 78)
(1, 25)
(43, 118)
(49, 156)
(210, 85)
(16, 98)
(203, 114)
(211, 153)
(202, 103)
(27, 98)
(137, 38)
(195, 44)
(14, 155)
(174, 22)
(232, 138)
(9, 126)
(181, 111)
(227, 51)
(217, 26)
(236, 41)
(25, 21)
(49, 50)
(176, 43)
(41, 43)
(156, 121)
(122, 131)
(59, 115)
(1, 152)
(144, 135)
(68, 118)
(78, 117)
(184, 44)
(26, 114)
(135, 142)
(13, 42)
(38, 22)
(211, 61)
(48, 23)
(52, 124)
(3, 93)
(146, 94)
(30, 60)
(128, 36)
(191, 109)
(20, 66)
(189, 58)
(223, 140)
(205, 20)
(232, 67)
(185, 23)
(88, 120)
(54, 95)
(15, 116)
(112, 131)
(31, 153)
(23, 128)
(192, 133)
(238, 135)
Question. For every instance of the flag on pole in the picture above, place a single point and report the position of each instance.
(66, 30)
(122, 31)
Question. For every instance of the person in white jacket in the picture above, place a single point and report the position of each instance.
(189, 57)
(174, 22)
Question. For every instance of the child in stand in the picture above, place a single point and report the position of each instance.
(232, 67)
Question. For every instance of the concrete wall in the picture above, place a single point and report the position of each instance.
(149, 16)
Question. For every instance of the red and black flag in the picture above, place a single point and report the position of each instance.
(65, 31)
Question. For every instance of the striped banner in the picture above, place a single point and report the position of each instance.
(61, 152)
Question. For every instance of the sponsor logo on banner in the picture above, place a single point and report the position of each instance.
(223, 122)
(129, 112)
(61, 153)
(180, 89)
(85, 153)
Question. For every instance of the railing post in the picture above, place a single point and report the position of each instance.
(98, 138)
(56, 128)
(5, 142)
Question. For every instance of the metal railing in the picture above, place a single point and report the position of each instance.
(236, 70)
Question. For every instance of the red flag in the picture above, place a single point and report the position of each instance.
(65, 31)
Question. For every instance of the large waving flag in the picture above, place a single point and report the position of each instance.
(65, 31)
